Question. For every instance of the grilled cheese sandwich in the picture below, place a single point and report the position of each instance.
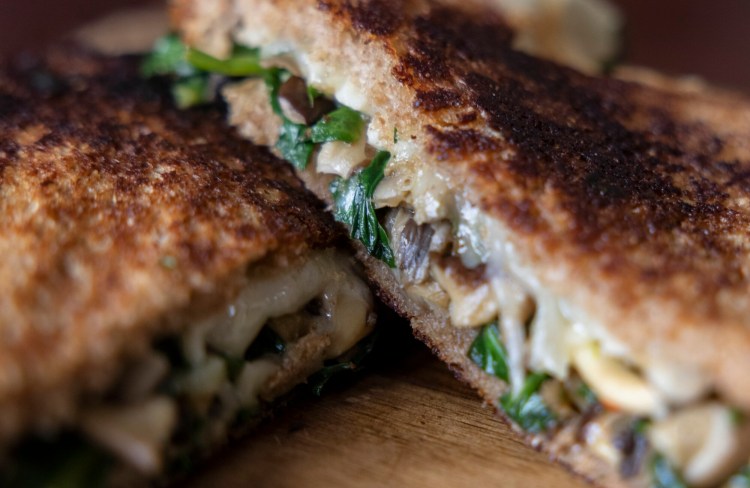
(573, 246)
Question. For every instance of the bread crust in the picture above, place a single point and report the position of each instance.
(122, 217)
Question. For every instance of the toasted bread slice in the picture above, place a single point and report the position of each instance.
(162, 279)
(601, 223)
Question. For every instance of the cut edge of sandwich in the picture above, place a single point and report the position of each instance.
(556, 371)
(191, 349)
(268, 329)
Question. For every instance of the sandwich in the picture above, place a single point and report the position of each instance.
(574, 247)
(164, 282)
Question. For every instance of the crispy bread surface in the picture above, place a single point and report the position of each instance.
(630, 202)
(121, 215)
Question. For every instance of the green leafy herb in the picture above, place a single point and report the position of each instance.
(641, 426)
(274, 77)
(488, 352)
(663, 475)
(741, 479)
(294, 141)
(586, 394)
(243, 61)
(395, 135)
(343, 124)
(167, 57)
(294, 144)
(351, 362)
(312, 94)
(191, 91)
(191, 67)
(353, 206)
(528, 409)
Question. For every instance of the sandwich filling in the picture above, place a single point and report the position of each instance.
(191, 391)
(565, 372)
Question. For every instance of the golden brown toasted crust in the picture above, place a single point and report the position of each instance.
(629, 202)
(120, 213)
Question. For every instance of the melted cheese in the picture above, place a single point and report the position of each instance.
(341, 159)
(279, 291)
(139, 429)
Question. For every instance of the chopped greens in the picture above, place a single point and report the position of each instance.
(353, 206)
(191, 68)
(528, 409)
(191, 91)
(312, 94)
(167, 58)
(274, 77)
(663, 475)
(354, 361)
(586, 394)
(488, 352)
(170, 56)
(294, 144)
(395, 135)
(343, 124)
(243, 61)
(296, 141)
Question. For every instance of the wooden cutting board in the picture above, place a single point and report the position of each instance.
(405, 422)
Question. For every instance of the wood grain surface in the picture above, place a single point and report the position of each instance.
(407, 423)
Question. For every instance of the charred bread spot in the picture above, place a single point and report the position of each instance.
(376, 17)
(474, 37)
(433, 100)
(453, 143)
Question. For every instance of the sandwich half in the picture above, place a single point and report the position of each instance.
(163, 281)
(575, 248)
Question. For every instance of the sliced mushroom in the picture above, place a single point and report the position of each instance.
(632, 444)
(600, 434)
(472, 299)
(138, 433)
(680, 384)
(616, 385)
(704, 442)
(414, 249)
(295, 102)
